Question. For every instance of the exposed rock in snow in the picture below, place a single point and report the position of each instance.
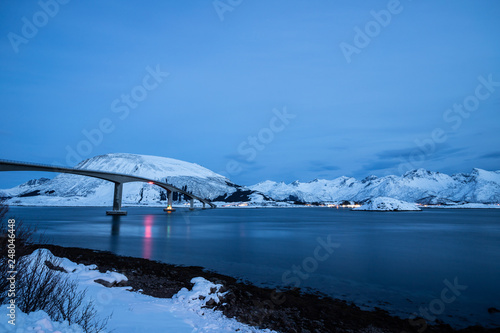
(386, 204)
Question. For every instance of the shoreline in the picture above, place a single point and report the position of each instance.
(309, 206)
(290, 310)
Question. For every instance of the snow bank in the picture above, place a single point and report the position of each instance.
(131, 311)
(387, 205)
(36, 322)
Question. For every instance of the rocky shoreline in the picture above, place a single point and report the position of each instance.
(284, 311)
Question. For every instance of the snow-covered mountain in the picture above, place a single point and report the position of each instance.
(420, 186)
(68, 189)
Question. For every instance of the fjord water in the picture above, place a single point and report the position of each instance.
(395, 261)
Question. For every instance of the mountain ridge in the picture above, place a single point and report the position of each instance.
(418, 186)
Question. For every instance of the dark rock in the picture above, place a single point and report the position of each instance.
(54, 267)
(110, 285)
(104, 283)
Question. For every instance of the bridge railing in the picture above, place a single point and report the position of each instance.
(35, 164)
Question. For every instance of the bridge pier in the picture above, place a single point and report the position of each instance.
(117, 201)
(191, 204)
(169, 202)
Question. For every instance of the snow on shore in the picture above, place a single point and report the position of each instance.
(37, 322)
(131, 311)
(468, 206)
(386, 204)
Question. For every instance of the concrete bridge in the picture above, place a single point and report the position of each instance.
(117, 178)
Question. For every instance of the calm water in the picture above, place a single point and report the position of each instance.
(396, 261)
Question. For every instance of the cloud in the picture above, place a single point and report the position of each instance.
(439, 152)
(318, 166)
(394, 153)
(240, 159)
(393, 158)
(379, 165)
(444, 153)
(491, 155)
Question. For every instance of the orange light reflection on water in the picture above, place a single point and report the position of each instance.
(148, 241)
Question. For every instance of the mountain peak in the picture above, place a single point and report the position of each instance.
(369, 179)
(154, 167)
(418, 173)
(34, 182)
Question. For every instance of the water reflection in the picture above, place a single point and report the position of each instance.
(168, 228)
(115, 232)
(147, 243)
(115, 225)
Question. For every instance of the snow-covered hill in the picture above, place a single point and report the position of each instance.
(67, 189)
(420, 186)
(385, 204)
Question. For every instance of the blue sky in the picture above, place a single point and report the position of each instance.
(253, 90)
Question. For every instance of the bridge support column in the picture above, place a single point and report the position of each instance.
(191, 204)
(169, 202)
(117, 201)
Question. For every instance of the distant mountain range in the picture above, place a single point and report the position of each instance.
(420, 186)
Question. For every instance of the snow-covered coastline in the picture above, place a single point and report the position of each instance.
(465, 206)
(180, 290)
(385, 204)
(252, 205)
(477, 189)
(133, 311)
